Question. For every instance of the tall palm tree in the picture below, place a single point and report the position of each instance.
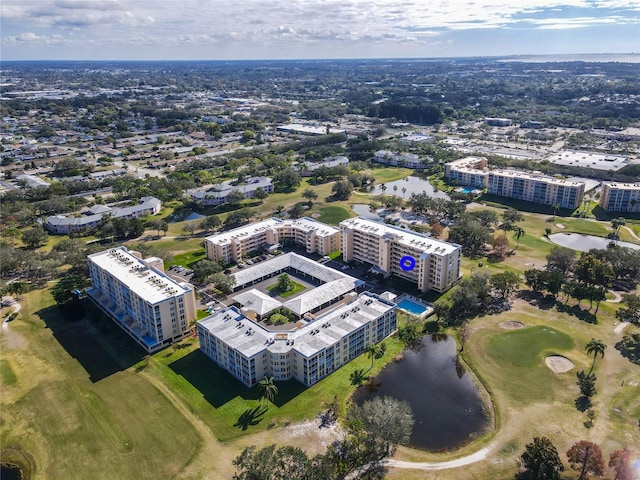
(595, 347)
(375, 350)
(267, 389)
(383, 187)
(555, 208)
(404, 190)
(518, 232)
(395, 189)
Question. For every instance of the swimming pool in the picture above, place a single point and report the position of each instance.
(465, 190)
(412, 306)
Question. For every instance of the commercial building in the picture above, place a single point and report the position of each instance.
(535, 187)
(431, 264)
(620, 197)
(593, 160)
(307, 353)
(468, 171)
(219, 194)
(151, 307)
(91, 218)
(230, 246)
(306, 169)
(312, 130)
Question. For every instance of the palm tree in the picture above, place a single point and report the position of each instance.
(518, 233)
(16, 288)
(404, 190)
(595, 347)
(555, 208)
(395, 189)
(267, 389)
(383, 188)
(375, 351)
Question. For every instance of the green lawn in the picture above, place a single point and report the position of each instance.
(389, 174)
(333, 215)
(7, 374)
(220, 400)
(187, 259)
(523, 348)
(275, 290)
(76, 410)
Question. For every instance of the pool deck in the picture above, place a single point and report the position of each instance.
(428, 309)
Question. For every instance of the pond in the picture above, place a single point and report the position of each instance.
(584, 243)
(363, 211)
(446, 405)
(184, 214)
(411, 184)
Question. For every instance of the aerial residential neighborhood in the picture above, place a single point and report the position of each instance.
(358, 268)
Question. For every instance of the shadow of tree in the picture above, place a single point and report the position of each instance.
(582, 403)
(575, 311)
(358, 376)
(250, 417)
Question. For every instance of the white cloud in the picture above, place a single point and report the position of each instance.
(281, 25)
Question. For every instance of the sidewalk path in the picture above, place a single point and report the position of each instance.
(459, 462)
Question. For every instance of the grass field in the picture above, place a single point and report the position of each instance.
(333, 215)
(275, 290)
(187, 259)
(523, 348)
(77, 410)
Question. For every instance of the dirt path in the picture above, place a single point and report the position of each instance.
(618, 330)
(16, 308)
(458, 462)
(633, 234)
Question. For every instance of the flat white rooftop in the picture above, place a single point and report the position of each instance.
(538, 177)
(595, 160)
(306, 224)
(251, 339)
(148, 283)
(335, 284)
(405, 237)
(623, 186)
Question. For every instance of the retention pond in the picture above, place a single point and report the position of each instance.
(445, 401)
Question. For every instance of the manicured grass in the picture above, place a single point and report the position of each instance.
(333, 215)
(389, 174)
(220, 400)
(524, 347)
(200, 314)
(76, 409)
(188, 258)
(275, 290)
(7, 374)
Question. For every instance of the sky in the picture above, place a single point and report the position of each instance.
(307, 29)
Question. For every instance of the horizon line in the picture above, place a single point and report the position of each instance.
(513, 55)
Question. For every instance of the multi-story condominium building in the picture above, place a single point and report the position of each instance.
(536, 188)
(232, 245)
(469, 171)
(620, 197)
(91, 218)
(218, 194)
(332, 286)
(409, 160)
(308, 353)
(430, 263)
(151, 307)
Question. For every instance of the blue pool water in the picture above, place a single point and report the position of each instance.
(412, 307)
(465, 190)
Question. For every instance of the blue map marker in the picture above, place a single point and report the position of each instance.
(407, 263)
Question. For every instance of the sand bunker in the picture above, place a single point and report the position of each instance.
(512, 325)
(558, 364)
(560, 225)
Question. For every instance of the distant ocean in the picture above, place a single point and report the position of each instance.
(587, 57)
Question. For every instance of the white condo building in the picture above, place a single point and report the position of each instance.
(535, 187)
(620, 197)
(307, 353)
(436, 264)
(152, 308)
(232, 245)
(469, 171)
